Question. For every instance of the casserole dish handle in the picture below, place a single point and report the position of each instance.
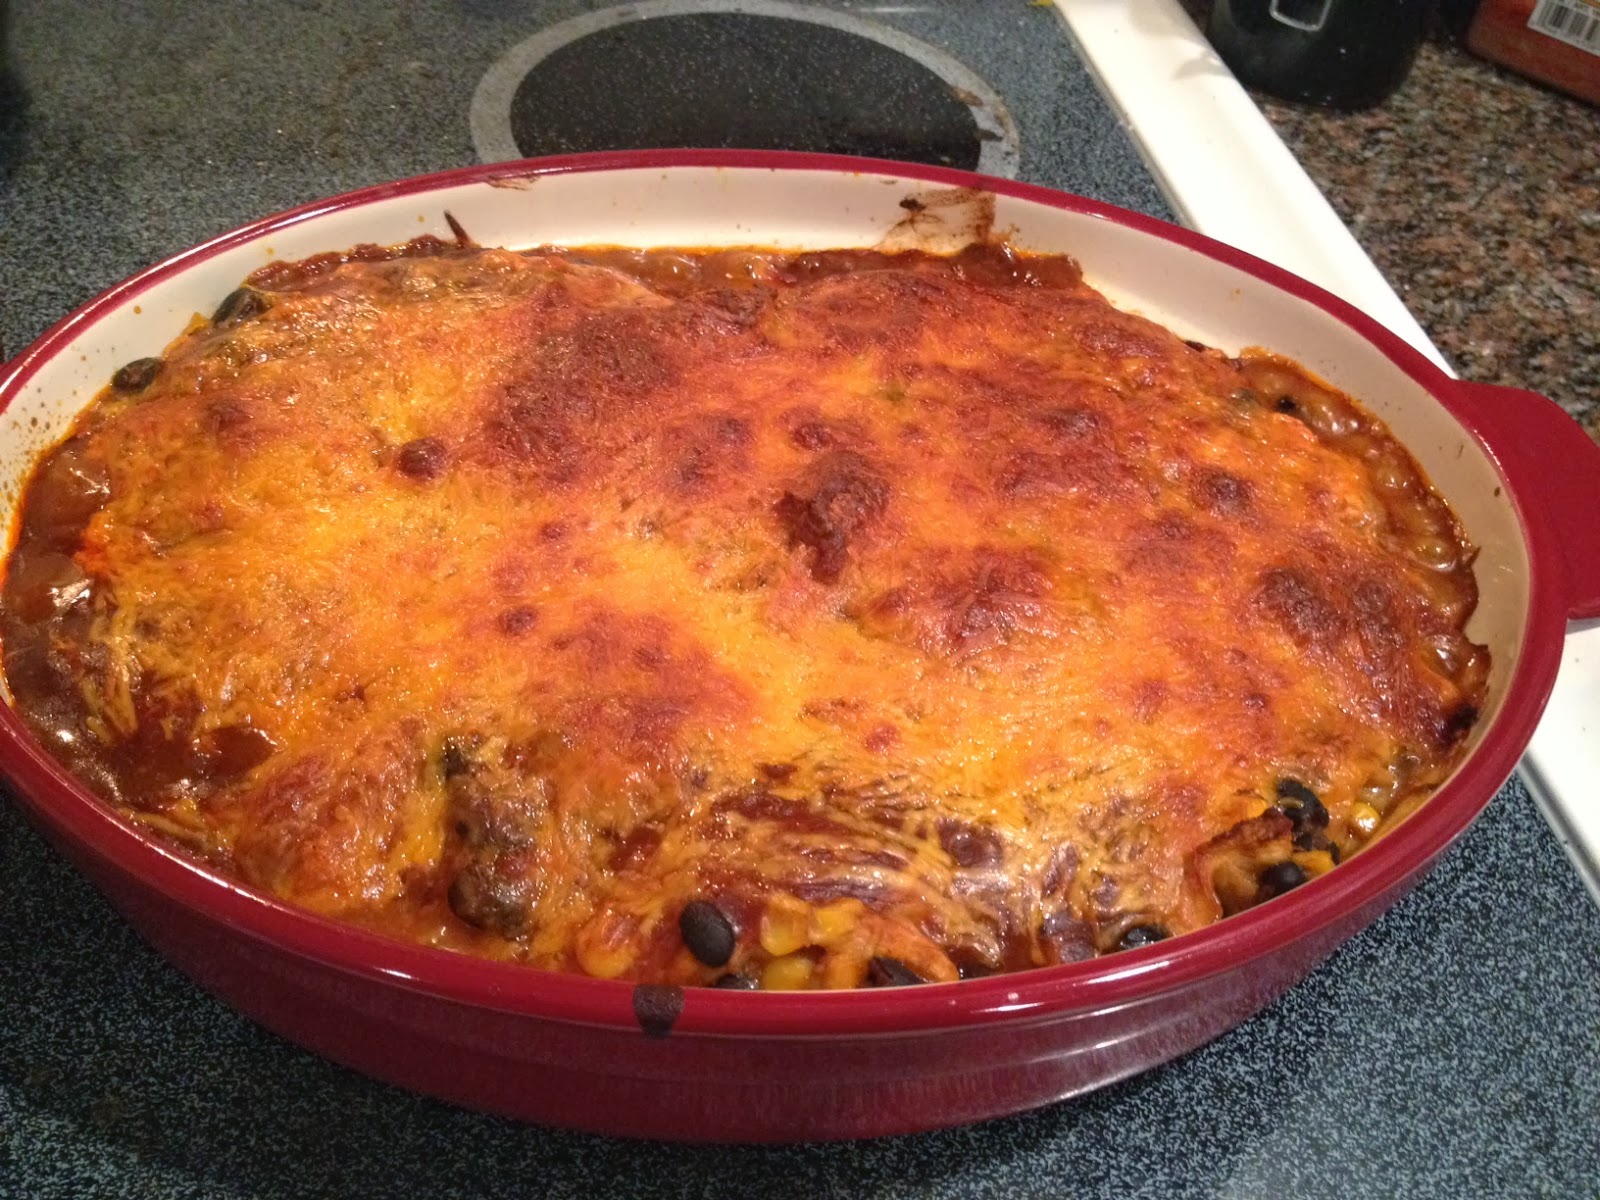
(1550, 457)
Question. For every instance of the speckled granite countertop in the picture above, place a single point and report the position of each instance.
(1477, 193)
(1452, 1049)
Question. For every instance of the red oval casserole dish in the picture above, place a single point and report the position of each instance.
(706, 1064)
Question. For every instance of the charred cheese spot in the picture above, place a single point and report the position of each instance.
(702, 453)
(884, 311)
(959, 605)
(1176, 551)
(514, 622)
(920, 617)
(1221, 493)
(423, 459)
(841, 496)
(1071, 450)
(1297, 604)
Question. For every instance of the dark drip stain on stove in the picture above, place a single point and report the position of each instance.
(740, 80)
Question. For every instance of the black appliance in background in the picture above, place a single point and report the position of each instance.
(1345, 54)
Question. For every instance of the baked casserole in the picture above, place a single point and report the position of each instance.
(739, 618)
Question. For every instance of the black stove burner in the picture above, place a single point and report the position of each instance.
(746, 81)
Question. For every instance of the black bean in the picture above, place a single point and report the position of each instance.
(737, 983)
(1287, 404)
(707, 932)
(137, 375)
(1282, 877)
(1143, 935)
(1293, 789)
(884, 971)
(1300, 804)
(239, 305)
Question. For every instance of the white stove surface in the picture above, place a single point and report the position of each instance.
(1228, 175)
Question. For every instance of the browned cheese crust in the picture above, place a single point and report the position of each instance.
(918, 616)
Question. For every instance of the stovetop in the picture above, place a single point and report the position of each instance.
(142, 134)
(1448, 1050)
(752, 74)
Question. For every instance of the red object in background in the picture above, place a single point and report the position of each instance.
(1554, 41)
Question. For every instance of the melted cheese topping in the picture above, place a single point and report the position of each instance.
(910, 611)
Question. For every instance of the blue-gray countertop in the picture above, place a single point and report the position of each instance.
(1452, 1049)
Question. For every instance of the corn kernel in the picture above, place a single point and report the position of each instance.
(843, 970)
(834, 921)
(785, 925)
(787, 974)
(1314, 862)
(1364, 819)
(607, 946)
